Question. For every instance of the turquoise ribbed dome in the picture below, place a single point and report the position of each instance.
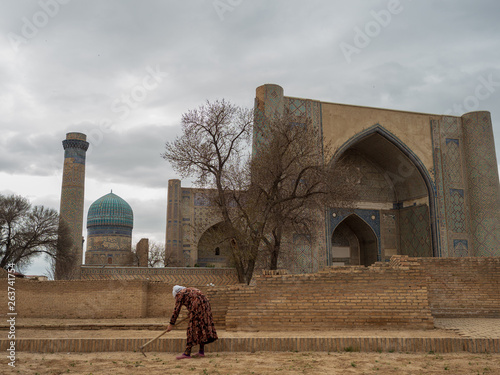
(110, 210)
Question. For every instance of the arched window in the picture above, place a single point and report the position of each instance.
(217, 251)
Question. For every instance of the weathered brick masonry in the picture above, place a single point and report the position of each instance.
(463, 287)
(81, 299)
(381, 295)
(405, 292)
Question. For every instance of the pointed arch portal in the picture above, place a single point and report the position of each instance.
(354, 242)
(213, 247)
(390, 180)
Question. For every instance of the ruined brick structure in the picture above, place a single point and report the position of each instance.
(405, 292)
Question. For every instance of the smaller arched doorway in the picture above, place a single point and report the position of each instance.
(354, 243)
(214, 247)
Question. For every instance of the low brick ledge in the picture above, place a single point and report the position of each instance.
(300, 344)
(94, 326)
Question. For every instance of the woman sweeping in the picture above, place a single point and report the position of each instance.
(201, 328)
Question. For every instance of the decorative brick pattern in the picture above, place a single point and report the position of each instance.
(482, 179)
(452, 161)
(457, 211)
(175, 275)
(415, 229)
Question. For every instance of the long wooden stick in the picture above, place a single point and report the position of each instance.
(157, 337)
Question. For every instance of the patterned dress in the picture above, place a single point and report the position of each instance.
(201, 329)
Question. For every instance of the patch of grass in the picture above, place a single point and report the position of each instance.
(351, 349)
(353, 364)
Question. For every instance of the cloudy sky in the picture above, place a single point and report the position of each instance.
(123, 72)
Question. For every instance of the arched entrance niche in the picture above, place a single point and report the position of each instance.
(214, 247)
(389, 178)
(354, 243)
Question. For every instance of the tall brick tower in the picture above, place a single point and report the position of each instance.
(72, 194)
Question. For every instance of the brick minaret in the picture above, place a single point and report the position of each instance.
(72, 195)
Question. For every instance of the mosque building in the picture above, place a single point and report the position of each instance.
(427, 186)
(110, 221)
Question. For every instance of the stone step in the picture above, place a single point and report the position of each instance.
(256, 344)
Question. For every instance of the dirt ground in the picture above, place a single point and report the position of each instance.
(181, 333)
(262, 363)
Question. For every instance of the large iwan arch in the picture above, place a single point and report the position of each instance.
(395, 199)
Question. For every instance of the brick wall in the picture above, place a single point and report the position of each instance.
(177, 275)
(463, 287)
(81, 299)
(403, 292)
(95, 299)
(381, 295)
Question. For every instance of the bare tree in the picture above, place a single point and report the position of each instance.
(169, 258)
(290, 182)
(156, 255)
(64, 263)
(215, 140)
(26, 232)
(258, 198)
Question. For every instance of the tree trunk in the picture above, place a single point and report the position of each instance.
(275, 250)
(237, 261)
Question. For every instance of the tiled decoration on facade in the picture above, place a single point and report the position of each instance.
(452, 205)
(461, 248)
(302, 254)
(457, 211)
(440, 210)
(452, 161)
(482, 179)
(306, 257)
(271, 107)
(308, 108)
(415, 231)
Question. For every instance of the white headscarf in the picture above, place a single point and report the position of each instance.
(176, 289)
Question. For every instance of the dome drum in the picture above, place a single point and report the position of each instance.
(106, 230)
(109, 232)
